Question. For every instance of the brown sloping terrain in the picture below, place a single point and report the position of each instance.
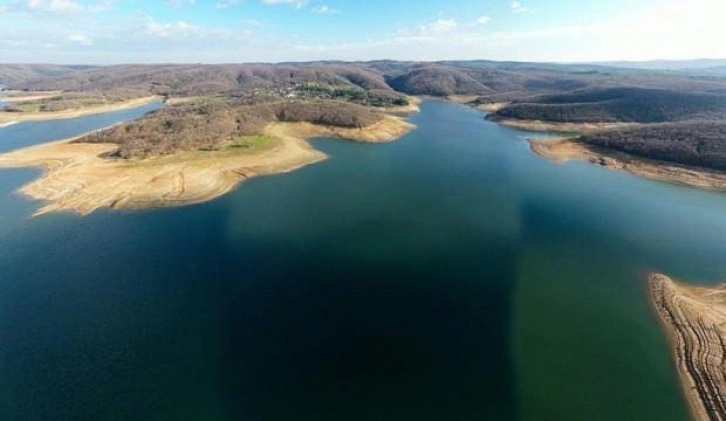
(695, 320)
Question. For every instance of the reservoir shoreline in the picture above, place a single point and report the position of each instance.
(560, 150)
(694, 320)
(7, 117)
(79, 178)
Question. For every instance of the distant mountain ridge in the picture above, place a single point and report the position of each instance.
(12, 74)
(669, 106)
(704, 67)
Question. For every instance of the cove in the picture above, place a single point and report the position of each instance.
(449, 275)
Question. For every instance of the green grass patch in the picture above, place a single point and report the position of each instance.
(251, 142)
(209, 99)
(27, 107)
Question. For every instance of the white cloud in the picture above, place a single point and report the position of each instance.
(101, 6)
(65, 6)
(57, 7)
(439, 27)
(181, 29)
(325, 10)
(224, 4)
(483, 20)
(644, 32)
(517, 7)
(81, 39)
(253, 22)
(297, 3)
(177, 3)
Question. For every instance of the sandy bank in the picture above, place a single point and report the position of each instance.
(556, 127)
(490, 108)
(470, 100)
(23, 96)
(564, 149)
(78, 179)
(412, 107)
(462, 99)
(6, 117)
(694, 319)
(388, 129)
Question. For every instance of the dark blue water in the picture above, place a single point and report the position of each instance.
(451, 275)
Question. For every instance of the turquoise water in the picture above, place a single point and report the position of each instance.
(451, 275)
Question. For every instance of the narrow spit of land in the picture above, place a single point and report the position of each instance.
(7, 117)
(694, 319)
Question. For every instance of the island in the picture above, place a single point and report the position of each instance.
(694, 319)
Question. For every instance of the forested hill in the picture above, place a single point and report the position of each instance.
(14, 74)
(181, 80)
(694, 143)
(621, 104)
(499, 82)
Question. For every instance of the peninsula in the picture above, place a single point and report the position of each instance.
(694, 319)
(190, 153)
(664, 134)
(54, 106)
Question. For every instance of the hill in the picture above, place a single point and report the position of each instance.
(208, 126)
(13, 74)
(694, 143)
(188, 80)
(621, 104)
(496, 81)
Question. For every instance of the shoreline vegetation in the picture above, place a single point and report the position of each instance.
(632, 121)
(677, 119)
(81, 178)
(694, 319)
(561, 150)
(23, 96)
(9, 117)
(571, 146)
(667, 133)
(552, 126)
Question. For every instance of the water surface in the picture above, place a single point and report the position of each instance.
(451, 275)
(29, 133)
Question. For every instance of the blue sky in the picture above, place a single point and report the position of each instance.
(123, 31)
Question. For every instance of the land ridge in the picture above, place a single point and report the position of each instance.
(16, 117)
(694, 319)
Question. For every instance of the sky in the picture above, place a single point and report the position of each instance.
(228, 31)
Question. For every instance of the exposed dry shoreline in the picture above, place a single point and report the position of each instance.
(556, 127)
(22, 96)
(14, 117)
(694, 319)
(564, 149)
(79, 179)
(413, 107)
(490, 108)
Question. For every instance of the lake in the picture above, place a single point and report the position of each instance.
(450, 275)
